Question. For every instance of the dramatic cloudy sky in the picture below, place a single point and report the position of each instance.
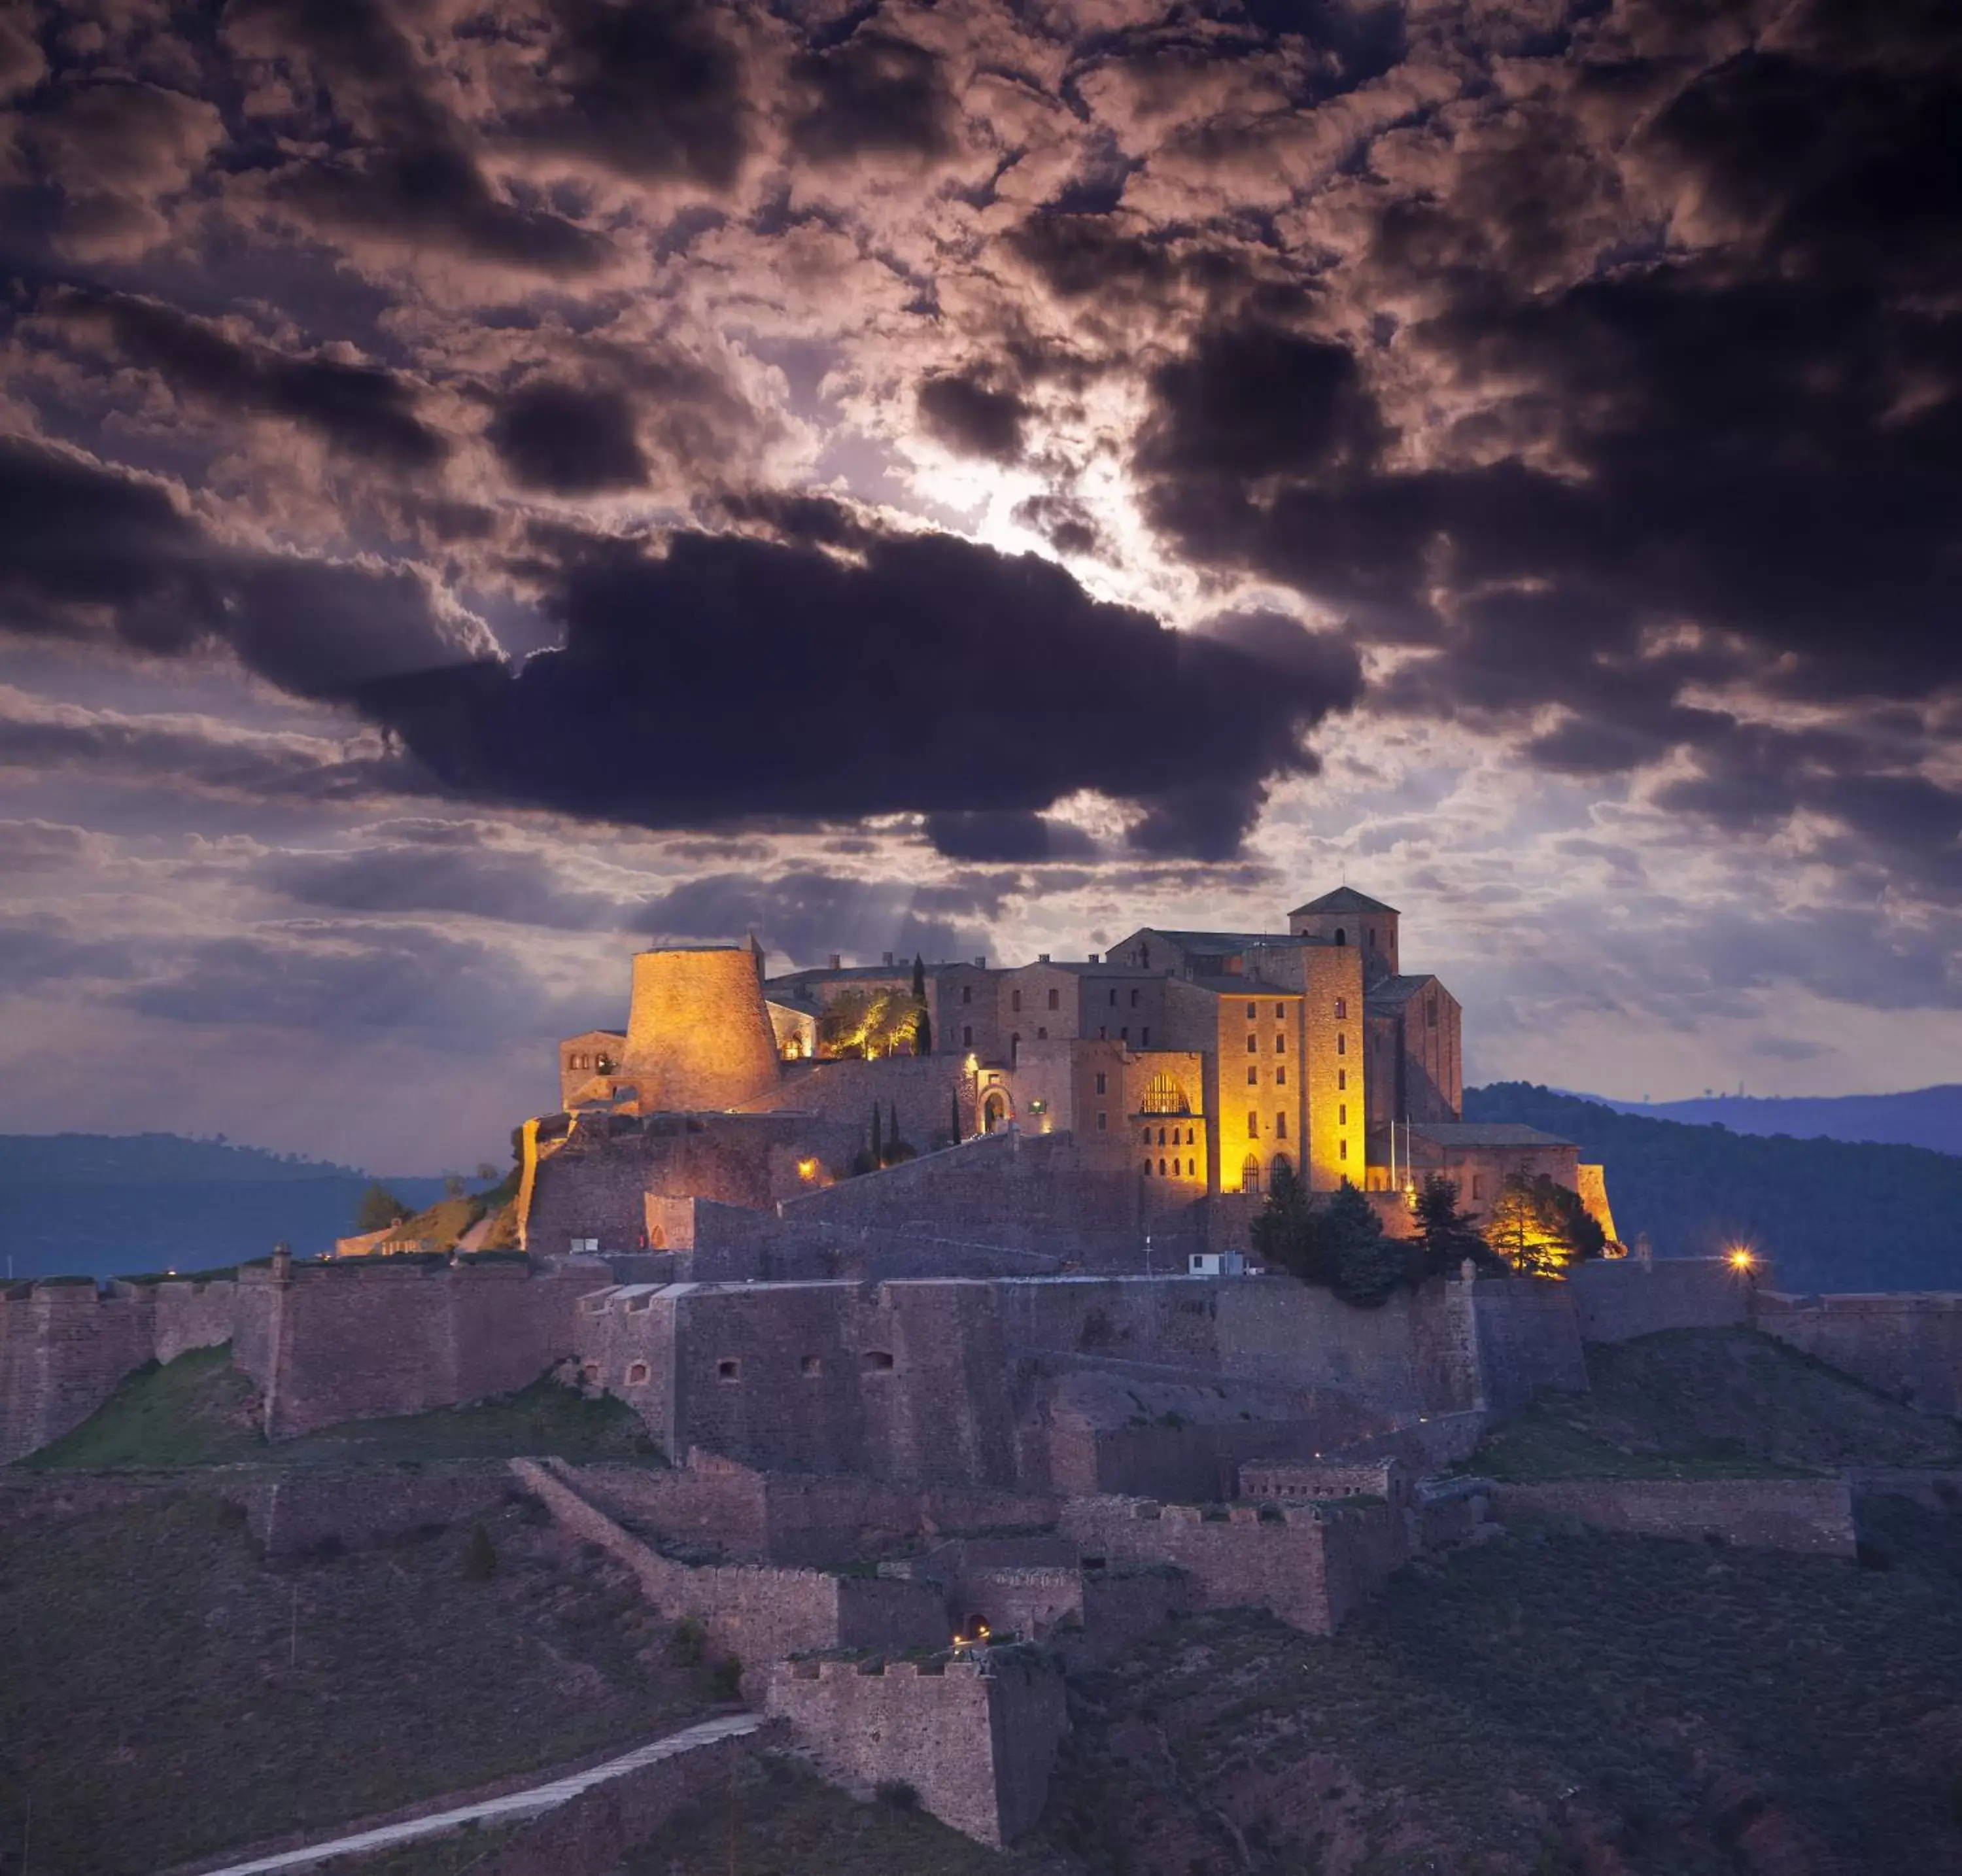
(484, 483)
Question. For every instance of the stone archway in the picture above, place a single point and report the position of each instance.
(995, 1110)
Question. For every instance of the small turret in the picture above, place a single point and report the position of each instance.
(1346, 916)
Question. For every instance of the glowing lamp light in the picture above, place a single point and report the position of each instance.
(806, 1169)
(1741, 1258)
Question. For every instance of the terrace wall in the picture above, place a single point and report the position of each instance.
(1799, 1514)
(1908, 1346)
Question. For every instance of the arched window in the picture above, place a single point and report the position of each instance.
(1250, 1173)
(636, 1374)
(1163, 1095)
(1055, 1001)
(1341, 936)
(1161, 1139)
(1015, 1002)
(1188, 1137)
(1161, 1171)
(1148, 1168)
(876, 1361)
(1280, 1170)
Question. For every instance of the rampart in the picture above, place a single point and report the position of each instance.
(1799, 1514)
(301, 1510)
(1907, 1346)
(1618, 1298)
(757, 1613)
(332, 1342)
(976, 1743)
(1307, 1564)
(63, 1348)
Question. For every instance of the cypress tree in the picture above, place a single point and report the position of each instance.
(878, 1147)
(922, 1033)
(919, 978)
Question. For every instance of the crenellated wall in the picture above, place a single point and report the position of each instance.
(976, 1744)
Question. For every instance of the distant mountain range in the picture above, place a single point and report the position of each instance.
(1924, 1116)
(1825, 1214)
(109, 1205)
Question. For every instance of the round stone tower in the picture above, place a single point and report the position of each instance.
(697, 1034)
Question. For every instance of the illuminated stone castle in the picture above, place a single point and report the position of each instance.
(1162, 1085)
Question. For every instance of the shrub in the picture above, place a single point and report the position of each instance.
(725, 1682)
(898, 1793)
(690, 1643)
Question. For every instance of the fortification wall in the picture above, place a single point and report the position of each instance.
(1027, 1192)
(63, 1348)
(1529, 1338)
(188, 1313)
(299, 1511)
(353, 1341)
(1909, 1347)
(923, 1089)
(757, 1613)
(902, 1381)
(1122, 1606)
(1198, 1461)
(1308, 1565)
(1799, 1514)
(1618, 1298)
(976, 1747)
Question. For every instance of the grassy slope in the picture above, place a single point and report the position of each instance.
(1711, 1403)
(1828, 1215)
(1696, 1709)
(153, 1706)
(196, 1411)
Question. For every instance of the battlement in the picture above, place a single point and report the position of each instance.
(974, 1739)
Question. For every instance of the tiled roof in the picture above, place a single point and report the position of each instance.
(1397, 989)
(1343, 899)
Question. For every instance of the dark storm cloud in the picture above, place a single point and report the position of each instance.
(1005, 834)
(1066, 524)
(649, 90)
(969, 416)
(516, 887)
(807, 916)
(568, 440)
(361, 411)
(875, 94)
(733, 677)
(80, 547)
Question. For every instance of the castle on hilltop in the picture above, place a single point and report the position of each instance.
(1161, 1087)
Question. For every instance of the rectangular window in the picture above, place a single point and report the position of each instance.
(1101, 1087)
(1280, 1012)
(1280, 1077)
(1341, 1078)
(1103, 1123)
(967, 1038)
(1342, 1115)
(1113, 999)
(1053, 1002)
(1341, 1042)
(1342, 1009)
(1134, 999)
(1145, 1036)
(967, 993)
(1341, 1149)
(1280, 1044)
(1042, 1035)
(1280, 1126)
(1253, 1075)
(1253, 1044)
(1251, 1012)
(1253, 1125)
(1015, 1002)
(1124, 1035)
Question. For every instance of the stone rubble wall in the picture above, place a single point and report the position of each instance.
(1810, 1515)
(301, 1510)
(758, 1613)
(1908, 1346)
(977, 1747)
(63, 1348)
(1621, 1297)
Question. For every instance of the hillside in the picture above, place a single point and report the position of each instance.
(1921, 1117)
(108, 1205)
(1825, 1214)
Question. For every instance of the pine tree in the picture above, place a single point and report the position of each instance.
(1446, 1236)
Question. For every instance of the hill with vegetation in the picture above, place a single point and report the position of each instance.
(1919, 1117)
(1825, 1215)
(106, 1205)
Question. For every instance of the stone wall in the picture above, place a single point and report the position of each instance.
(399, 1335)
(1529, 1338)
(756, 1613)
(1307, 1565)
(1618, 1298)
(977, 1747)
(1801, 1514)
(1909, 1347)
(698, 1035)
(63, 1348)
(301, 1510)
(1384, 1478)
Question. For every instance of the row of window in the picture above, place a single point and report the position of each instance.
(1191, 1170)
(1253, 1043)
(1189, 1136)
(1253, 1126)
(599, 1064)
(1253, 1076)
(730, 1368)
